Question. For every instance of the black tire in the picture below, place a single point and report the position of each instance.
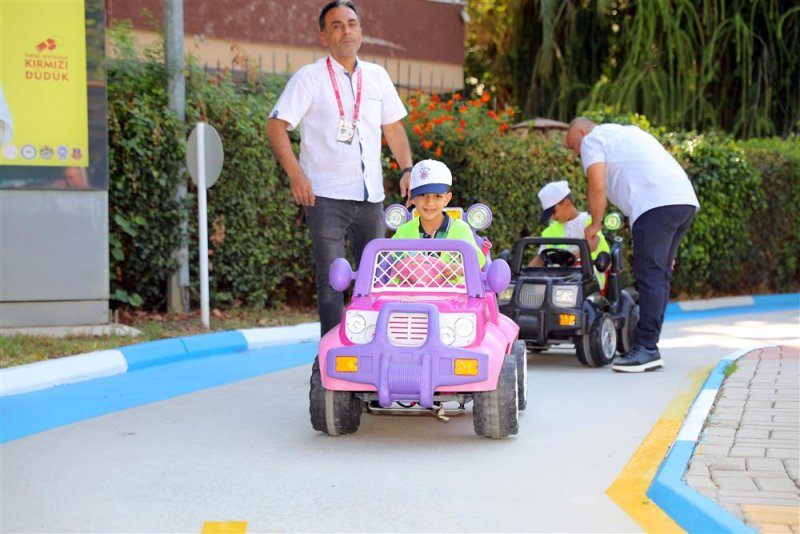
(521, 357)
(332, 412)
(598, 347)
(625, 334)
(496, 413)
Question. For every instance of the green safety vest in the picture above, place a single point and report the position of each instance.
(556, 230)
(458, 230)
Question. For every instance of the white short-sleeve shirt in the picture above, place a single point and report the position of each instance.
(640, 173)
(338, 170)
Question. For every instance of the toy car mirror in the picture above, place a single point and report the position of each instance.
(479, 216)
(498, 276)
(505, 255)
(602, 262)
(613, 221)
(340, 274)
(395, 215)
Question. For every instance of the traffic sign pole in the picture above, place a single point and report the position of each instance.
(202, 224)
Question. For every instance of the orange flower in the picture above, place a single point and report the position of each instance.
(510, 112)
(394, 166)
(449, 105)
(435, 98)
(432, 105)
(463, 109)
(384, 142)
(438, 152)
(427, 144)
(413, 102)
(457, 96)
(462, 123)
(418, 129)
(492, 114)
(485, 97)
(503, 127)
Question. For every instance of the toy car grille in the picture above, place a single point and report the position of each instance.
(416, 270)
(408, 329)
(532, 295)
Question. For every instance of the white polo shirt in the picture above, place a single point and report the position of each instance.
(640, 173)
(338, 170)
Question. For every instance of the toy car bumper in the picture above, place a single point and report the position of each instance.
(546, 325)
(407, 372)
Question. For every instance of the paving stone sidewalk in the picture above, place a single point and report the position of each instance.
(747, 457)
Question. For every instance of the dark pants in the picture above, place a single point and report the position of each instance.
(656, 235)
(330, 221)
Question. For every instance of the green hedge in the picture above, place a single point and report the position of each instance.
(745, 237)
(776, 227)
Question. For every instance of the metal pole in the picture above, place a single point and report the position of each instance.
(178, 284)
(202, 223)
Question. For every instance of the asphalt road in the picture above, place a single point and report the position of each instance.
(246, 452)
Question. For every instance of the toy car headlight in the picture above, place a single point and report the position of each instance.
(465, 326)
(394, 216)
(504, 297)
(613, 221)
(355, 322)
(565, 296)
(479, 216)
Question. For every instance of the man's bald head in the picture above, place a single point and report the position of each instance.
(578, 129)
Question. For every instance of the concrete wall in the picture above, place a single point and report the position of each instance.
(54, 257)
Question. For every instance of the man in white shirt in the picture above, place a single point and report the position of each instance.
(636, 173)
(342, 106)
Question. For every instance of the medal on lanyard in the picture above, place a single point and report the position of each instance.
(347, 129)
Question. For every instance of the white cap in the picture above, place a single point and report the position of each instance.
(550, 195)
(430, 176)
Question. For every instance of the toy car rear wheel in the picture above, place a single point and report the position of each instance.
(332, 412)
(496, 413)
(625, 334)
(597, 347)
(521, 357)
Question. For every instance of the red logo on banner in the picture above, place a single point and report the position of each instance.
(47, 44)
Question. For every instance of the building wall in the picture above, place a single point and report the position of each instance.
(419, 42)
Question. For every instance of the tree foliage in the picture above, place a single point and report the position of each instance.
(705, 64)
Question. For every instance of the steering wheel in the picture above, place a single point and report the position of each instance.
(558, 257)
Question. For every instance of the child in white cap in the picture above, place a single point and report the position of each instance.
(567, 221)
(430, 194)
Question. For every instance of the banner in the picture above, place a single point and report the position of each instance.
(43, 102)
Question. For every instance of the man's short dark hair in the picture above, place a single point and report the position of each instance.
(331, 5)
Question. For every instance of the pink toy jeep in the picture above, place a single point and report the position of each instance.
(423, 329)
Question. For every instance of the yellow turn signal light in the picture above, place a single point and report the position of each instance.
(347, 364)
(465, 367)
(566, 319)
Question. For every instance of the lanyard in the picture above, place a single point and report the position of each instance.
(339, 98)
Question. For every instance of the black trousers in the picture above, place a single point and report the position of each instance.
(656, 236)
(330, 221)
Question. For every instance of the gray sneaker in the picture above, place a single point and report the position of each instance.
(638, 360)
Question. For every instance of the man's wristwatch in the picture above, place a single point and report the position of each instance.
(407, 169)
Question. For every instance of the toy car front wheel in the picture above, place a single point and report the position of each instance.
(625, 334)
(332, 412)
(496, 413)
(521, 357)
(597, 347)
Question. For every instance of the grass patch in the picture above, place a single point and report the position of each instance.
(731, 369)
(21, 349)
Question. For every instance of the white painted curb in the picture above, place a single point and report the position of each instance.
(48, 373)
(281, 335)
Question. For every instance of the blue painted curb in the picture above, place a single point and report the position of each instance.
(166, 351)
(688, 507)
